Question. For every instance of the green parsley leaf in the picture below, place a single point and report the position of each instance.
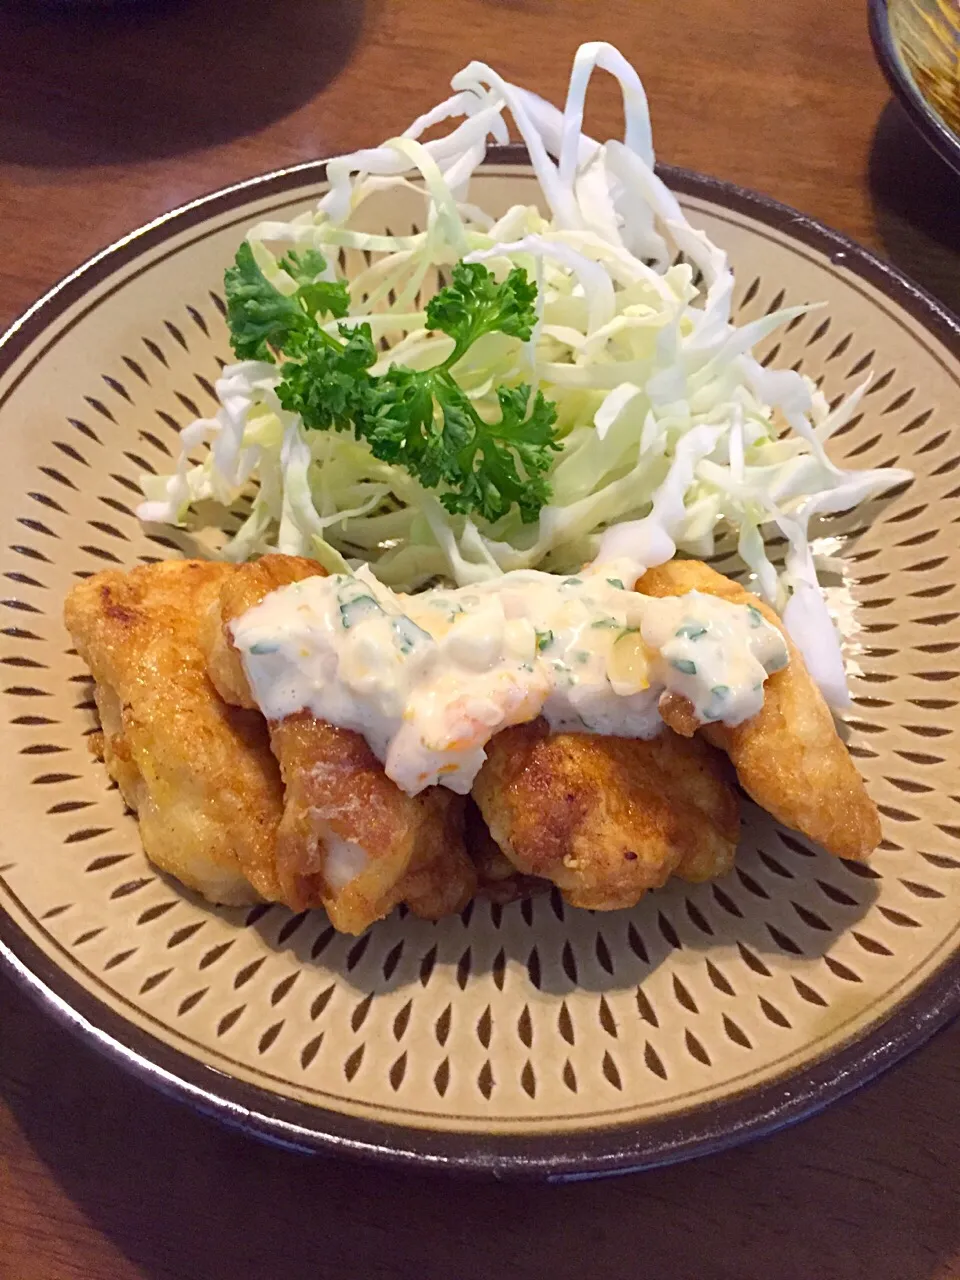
(263, 320)
(474, 304)
(318, 297)
(327, 384)
(422, 420)
(484, 473)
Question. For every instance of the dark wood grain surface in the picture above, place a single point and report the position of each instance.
(109, 117)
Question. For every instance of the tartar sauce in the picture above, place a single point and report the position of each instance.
(429, 678)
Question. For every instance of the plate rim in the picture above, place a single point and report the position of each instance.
(928, 122)
(566, 1156)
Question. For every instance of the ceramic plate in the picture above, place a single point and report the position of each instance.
(527, 1040)
(917, 43)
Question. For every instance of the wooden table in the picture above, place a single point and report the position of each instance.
(109, 118)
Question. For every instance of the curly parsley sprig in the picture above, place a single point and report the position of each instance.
(421, 420)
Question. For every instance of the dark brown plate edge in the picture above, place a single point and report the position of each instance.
(553, 1157)
(930, 125)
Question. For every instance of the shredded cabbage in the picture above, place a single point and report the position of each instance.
(668, 421)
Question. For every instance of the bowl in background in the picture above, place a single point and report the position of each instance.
(917, 43)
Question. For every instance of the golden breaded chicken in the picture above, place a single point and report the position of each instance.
(350, 839)
(241, 590)
(441, 878)
(498, 879)
(789, 757)
(199, 773)
(606, 819)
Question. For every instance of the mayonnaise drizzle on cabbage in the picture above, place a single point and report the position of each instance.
(672, 431)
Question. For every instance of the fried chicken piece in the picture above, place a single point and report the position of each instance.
(789, 757)
(243, 589)
(605, 819)
(350, 839)
(199, 773)
(441, 878)
(498, 879)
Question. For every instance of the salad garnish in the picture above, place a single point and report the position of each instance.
(497, 389)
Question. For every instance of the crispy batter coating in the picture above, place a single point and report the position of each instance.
(199, 773)
(441, 878)
(498, 879)
(788, 757)
(306, 815)
(243, 589)
(350, 839)
(606, 819)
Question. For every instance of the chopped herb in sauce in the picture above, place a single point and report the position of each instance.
(685, 665)
(575, 650)
(407, 634)
(356, 603)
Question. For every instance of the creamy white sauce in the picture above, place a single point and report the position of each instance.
(428, 679)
